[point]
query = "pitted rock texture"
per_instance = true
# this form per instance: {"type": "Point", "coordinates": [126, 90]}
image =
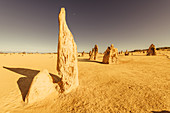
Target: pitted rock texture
{"type": "Point", "coordinates": [67, 55]}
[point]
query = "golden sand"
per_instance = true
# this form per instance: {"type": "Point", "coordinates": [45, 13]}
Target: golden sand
{"type": "Point", "coordinates": [138, 84]}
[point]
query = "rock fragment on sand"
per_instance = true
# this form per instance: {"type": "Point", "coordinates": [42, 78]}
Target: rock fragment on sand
{"type": "Point", "coordinates": [41, 87]}
{"type": "Point", "coordinates": [151, 50]}
{"type": "Point", "coordinates": [110, 55]}
{"type": "Point", "coordinates": [67, 56]}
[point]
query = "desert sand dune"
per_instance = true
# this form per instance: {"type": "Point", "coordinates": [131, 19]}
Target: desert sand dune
{"type": "Point", "coordinates": [138, 84]}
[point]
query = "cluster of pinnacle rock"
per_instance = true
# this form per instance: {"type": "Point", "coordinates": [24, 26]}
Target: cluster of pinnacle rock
{"type": "Point", "coordinates": [44, 84]}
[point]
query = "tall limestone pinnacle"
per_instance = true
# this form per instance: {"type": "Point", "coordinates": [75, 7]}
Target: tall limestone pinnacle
{"type": "Point", "coordinates": [67, 55]}
{"type": "Point", "coordinates": [43, 83]}
{"type": "Point", "coordinates": [110, 55]}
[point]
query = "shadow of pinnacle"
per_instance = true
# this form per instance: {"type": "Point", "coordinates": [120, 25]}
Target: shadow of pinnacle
{"type": "Point", "coordinates": [87, 60]}
{"type": "Point", "coordinates": [25, 82]}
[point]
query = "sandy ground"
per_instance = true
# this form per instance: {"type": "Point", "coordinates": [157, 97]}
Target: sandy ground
{"type": "Point", "coordinates": [138, 84]}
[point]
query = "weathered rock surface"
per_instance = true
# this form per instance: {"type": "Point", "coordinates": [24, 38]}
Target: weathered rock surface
{"type": "Point", "coordinates": [110, 55]}
{"type": "Point", "coordinates": [41, 86]}
{"type": "Point", "coordinates": [151, 50]}
{"type": "Point", "coordinates": [95, 52]}
{"type": "Point", "coordinates": [67, 55]}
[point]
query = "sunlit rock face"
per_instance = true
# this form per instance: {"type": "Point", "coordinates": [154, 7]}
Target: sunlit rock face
{"type": "Point", "coordinates": [41, 86]}
{"type": "Point", "coordinates": [110, 55]}
{"type": "Point", "coordinates": [151, 50]}
{"type": "Point", "coordinates": [67, 55]}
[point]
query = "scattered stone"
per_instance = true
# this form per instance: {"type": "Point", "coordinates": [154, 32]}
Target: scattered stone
{"type": "Point", "coordinates": [67, 56]}
{"type": "Point", "coordinates": [151, 50]}
{"type": "Point", "coordinates": [110, 55]}
{"type": "Point", "coordinates": [41, 86]}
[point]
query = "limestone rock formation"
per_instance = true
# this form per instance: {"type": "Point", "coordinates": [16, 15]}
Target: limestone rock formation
{"type": "Point", "coordinates": [107, 56]}
{"type": "Point", "coordinates": [121, 52]}
{"type": "Point", "coordinates": [67, 56]}
{"type": "Point", "coordinates": [95, 51]}
{"type": "Point", "coordinates": [151, 50]}
{"type": "Point", "coordinates": [90, 55]}
{"type": "Point", "coordinates": [126, 53]}
{"type": "Point", "coordinates": [41, 86]}
{"type": "Point", "coordinates": [110, 55]}
{"type": "Point", "coordinates": [83, 53]}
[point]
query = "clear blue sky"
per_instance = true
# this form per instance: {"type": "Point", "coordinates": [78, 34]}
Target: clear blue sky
{"type": "Point", "coordinates": [32, 25]}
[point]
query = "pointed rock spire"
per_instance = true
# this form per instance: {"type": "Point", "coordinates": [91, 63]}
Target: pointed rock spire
{"type": "Point", "coordinates": [151, 50]}
{"type": "Point", "coordinates": [67, 55]}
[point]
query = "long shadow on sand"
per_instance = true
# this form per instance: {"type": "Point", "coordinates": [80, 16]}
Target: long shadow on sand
{"type": "Point", "coordinates": [25, 82]}
{"type": "Point", "coordinates": [87, 60]}
{"type": "Point", "coordinates": [161, 111]}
